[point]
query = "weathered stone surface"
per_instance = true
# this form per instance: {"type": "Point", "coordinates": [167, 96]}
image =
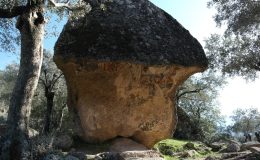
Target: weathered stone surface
{"type": "Point", "coordinates": [255, 149]}
{"type": "Point", "coordinates": [233, 147]}
{"type": "Point", "coordinates": [123, 99]}
{"type": "Point", "coordinates": [216, 146]}
{"type": "Point", "coordinates": [126, 144]}
{"type": "Point", "coordinates": [130, 30]}
{"type": "Point", "coordinates": [189, 154]}
{"type": "Point", "coordinates": [130, 155]}
{"type": "Point", "coordinates": [211, 158]}
{"type": "Point", "coordinates": [248, 145]}
{"type": "Point", "coordinates": [145, 155]}
{"type": "Point", "coordinates": [122, 67]}
{"type": "Point", "coordinates": [235, 154]}
{"type": "Point", "coordinates": [189, 145]}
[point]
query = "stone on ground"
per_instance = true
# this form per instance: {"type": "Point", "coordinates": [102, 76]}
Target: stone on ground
{"type": "Point", "coordinates": [255, 149]}
{"type": "Point", "coordinates": [248, 145]}
{"type": "Point", "coordinates": [233, 147]}
{"type": "Point", "coordinates": [189, 145]}
{"type": "Point", "coordinates": [216, 146]}
{"type": "Point", "coordinates": [235, 154]}
{"type": "Point", "coordinates": [189, 154]}
{"type": "Point", "coordinates": [126, 144]}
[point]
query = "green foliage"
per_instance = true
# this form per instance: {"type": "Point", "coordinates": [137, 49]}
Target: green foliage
{"type": "Point", "coordinates": [246, 120]}
{"type": "Point", "coordinates": [197, 98]}
{"type": "Point", "coordinates": [172, 144]}
{"type": "Point", "coordinates": [9, 35]}
{"type": "Point", "coordinates": [171, 148]}
{"type": "Point", "coordinates": [238, 51]}
{"type": "Point", "coordinates": [234, 55]}
{"type": "Point", "coordinates": [47, 77]}
{"type": "Point", "coordinates": [7, 81]}
{"type": "Point", "coordinates": [241, 16]}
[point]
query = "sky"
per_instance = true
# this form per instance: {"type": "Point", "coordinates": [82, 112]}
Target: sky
{"type": "Point", "coordinates": [197, 18]}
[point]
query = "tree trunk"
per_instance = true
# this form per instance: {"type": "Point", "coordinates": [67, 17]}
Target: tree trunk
{"type": "Point", "coordinates": [50, 97]}
{"type": "Point", "coordinates": [15, 145]}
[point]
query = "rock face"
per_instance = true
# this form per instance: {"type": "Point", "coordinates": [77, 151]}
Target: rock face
{"type": "Point", "coordinates": [122, 65]}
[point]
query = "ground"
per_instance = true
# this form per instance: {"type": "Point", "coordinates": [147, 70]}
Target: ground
{"type": "Point", "coordinates": [173, 149]}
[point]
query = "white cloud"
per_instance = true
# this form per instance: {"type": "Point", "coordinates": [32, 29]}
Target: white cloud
{"type": "Point", "coordinates": [239, 94]}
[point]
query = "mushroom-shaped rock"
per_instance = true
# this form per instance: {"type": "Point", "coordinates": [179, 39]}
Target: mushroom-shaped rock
{"type": "Point", "coordinates": [123, 63]}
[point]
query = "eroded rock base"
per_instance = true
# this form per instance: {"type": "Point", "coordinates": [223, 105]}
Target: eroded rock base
{"type": "Point", "coordinates": [121, 99]}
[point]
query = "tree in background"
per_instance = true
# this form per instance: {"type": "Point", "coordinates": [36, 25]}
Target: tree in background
{"type": "Point", "coordinates": [196, 101]}
{"type": "Point", "coordinates": [30, 21]}
{"type": "Point", "coordinates": [48, 79]}
{"type": "Point", "coordinates": [237, 52]}
{"type": "Point", "coordinates": [7, 81]}
{"type": "Point", "coordinates": [245, 120]}
{"type": "Point", "coordinates": [51, 81]}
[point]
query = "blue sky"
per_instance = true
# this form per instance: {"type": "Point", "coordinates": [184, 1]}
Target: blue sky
{"type": "Point", "coordinates": [193, 15]}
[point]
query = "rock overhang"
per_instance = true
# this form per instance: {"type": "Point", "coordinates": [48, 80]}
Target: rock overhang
{"type": "Point", "coordinates": [141, 33]}
{"type": "Point", "coordinates": [123, 66]}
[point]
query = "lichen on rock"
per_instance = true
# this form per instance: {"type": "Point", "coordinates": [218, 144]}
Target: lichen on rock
{"type": "Point", "coordinates": [122, 66]}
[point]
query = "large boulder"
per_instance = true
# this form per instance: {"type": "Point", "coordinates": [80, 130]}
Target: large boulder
{"type": "Point", "coordinates": [123, 64]}
{"type": "Point", "coordinates": [233, 147]}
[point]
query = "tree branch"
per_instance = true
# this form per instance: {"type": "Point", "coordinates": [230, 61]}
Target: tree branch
{"type": "Point", "coordinates": [67, 5]}
{"type": "Point", "coordinates": [43, 82]}
{"type": "Point", "coordinates": [12, 12]}
{"type": "Point", "coordinates": [60, 5]}
{"type": "Point", "coordinates": [188, 92]}
{"type": "Point", "coordinates": [257, 66]}
{"type": "Point", "coordinates": [55, 80]}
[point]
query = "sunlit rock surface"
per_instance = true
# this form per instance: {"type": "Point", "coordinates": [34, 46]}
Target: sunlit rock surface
{"type": "Point", "coordinates": [123, 64]}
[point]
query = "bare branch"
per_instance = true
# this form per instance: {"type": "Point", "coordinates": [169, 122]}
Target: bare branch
{"type": "Point", "coordinates": [66, 5]}
{"type": "Point", "coordinates": [43, 82]}
{"type": "Point", "coordinates": [12, 12]}
{"type": "Point", "coordinates": [55, 80]}
{"type": "Point", "coordinates": [60, 5]}
{"type": "Point", "coordinates": [188, 92]}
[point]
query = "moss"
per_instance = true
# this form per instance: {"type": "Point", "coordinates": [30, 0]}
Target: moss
{"type": "Point", "coordinates": [171, 147]}
{"type": "Point", "coordinates": [175, 145]}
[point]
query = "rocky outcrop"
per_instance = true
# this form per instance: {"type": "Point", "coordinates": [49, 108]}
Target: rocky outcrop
{"type": "Point", "coordinates": [123, 64]}
{"type": "Point", "coordinates": [248, 145]}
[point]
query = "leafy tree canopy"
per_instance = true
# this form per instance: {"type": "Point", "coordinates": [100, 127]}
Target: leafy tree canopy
{"type": "Point", "coordinates": [197, 98]}
{"type": "Point", "coordinates": [238, 51]}
{"type": "Point", "coordinates": [246, 120]}
{"type": "Point", "coordinates": [55, 12]}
